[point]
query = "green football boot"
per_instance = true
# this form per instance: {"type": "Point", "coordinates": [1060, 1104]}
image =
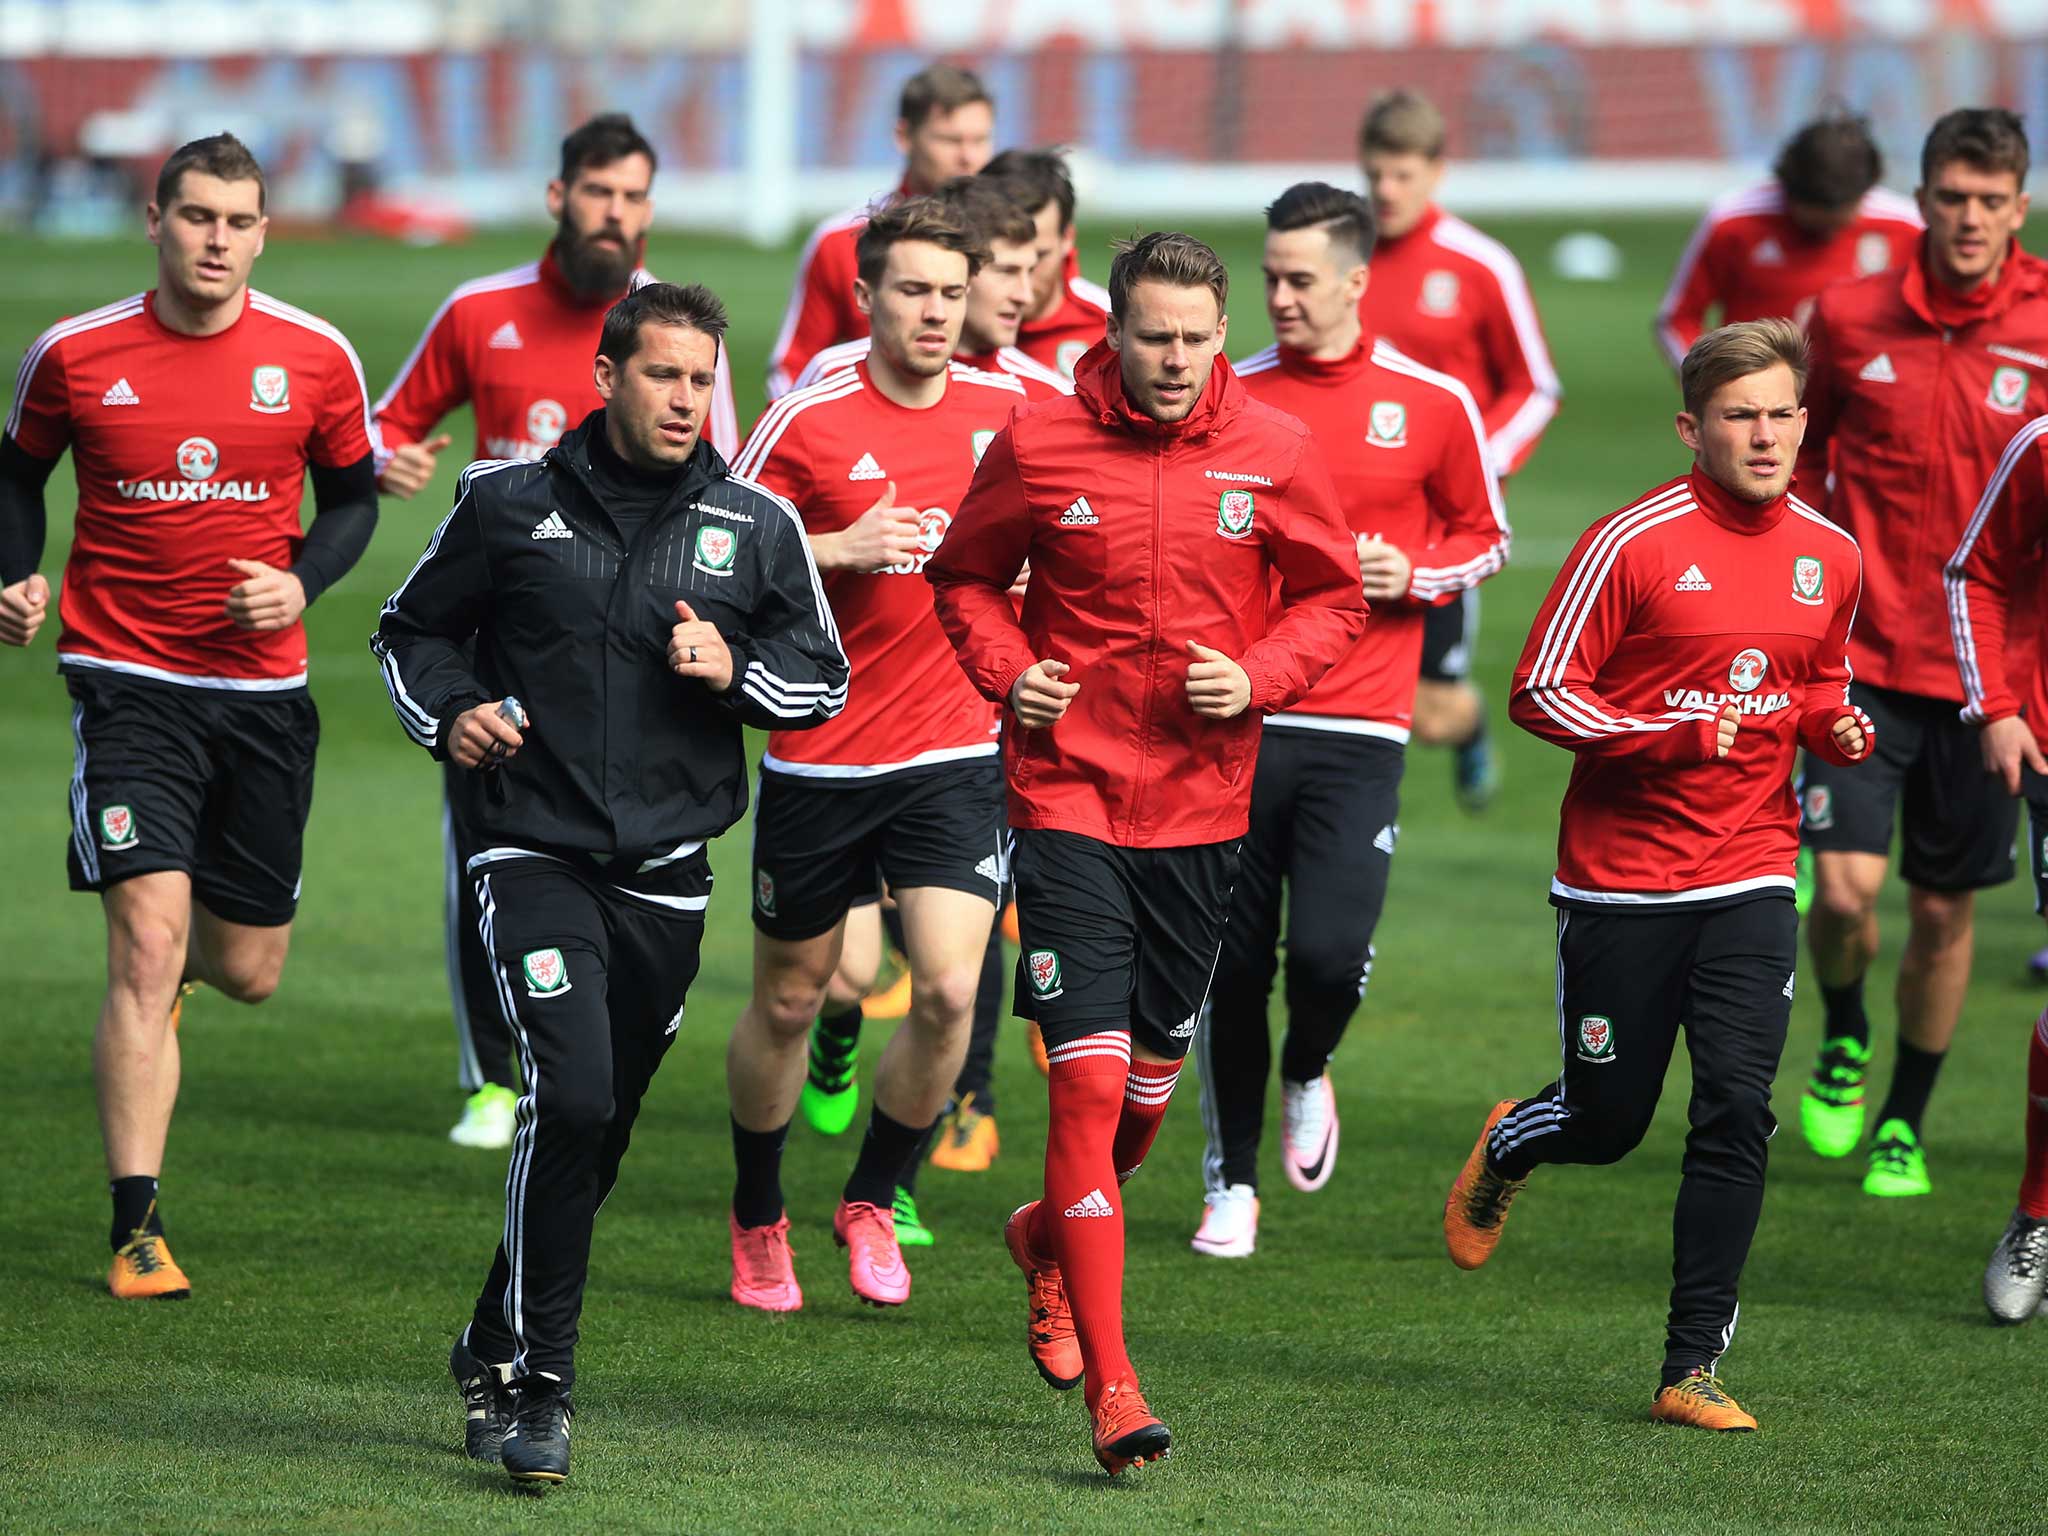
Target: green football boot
{"type": "Point", "coordinates": [911, 1232]}
{"type": "Point", "coordinates": [831, 1094]}
{"type": "Point", "coordinates": [1897, 1165]}
{"type": "Point", "coordinates": [1831, 1108]}
{"type": "Point", "coordinates": [1802, 882]}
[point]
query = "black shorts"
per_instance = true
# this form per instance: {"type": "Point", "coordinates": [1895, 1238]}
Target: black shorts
{"type": "Point", "coordinates": [1956, 821]}
{"type": "Point", "coordinates": [1118, 938]}
{"type": "Point", "coordinates": [1449, 631]}
{"type": "Point", "coordinates": [821, 845]}
{"type": "Point", "coordinates": [213, 783]}
{"type": "Point", "coordinates": [2034, 790]}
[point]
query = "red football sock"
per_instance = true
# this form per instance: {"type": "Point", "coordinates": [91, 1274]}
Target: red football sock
{"type": "Point", "coordinates": [1146, 1092]}
{"type": "Point", "coordinates": [2034, 1182]}
{"type": "Point", "coordinates": [1080, 1222]}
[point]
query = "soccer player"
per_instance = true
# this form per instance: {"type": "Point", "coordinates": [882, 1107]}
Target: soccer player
{"type": "Point", "coordinates": [1920, 377]}
{"type": "Point", "coordinates": [904, 786]}
{"type": "Point", "coordinates": [1156, 508]}
{"type": "Point", "coordinates": [1995, 570]}
{"type": "Point", "coordinates": [195, 413]}
{"type": "Point", "coordinates": [1420, 498]}
{"type": "Point", "coordinates": [585, 636]}
{"type": "Point", "coordinates": [1067, 311]}
{"type": "Point", "coordinates": [945, 125]}
{"type": "Point", "coordinates": [1768, 249]}
{"type": "Point", "coordinates": [1692, 643]}
{"type": "Point", "coordinates": [1455, 300]}
{"type": "Point", "coordinates": [516, 346]}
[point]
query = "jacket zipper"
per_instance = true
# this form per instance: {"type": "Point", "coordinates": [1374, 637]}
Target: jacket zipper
{"type": "Point", "coordinates": [1152, 648]}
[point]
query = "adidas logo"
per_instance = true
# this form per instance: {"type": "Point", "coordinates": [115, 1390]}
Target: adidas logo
{"type": "Point", "coordinates": [1385, 841]}
{"type": "Point", "coordinates": [867, 469]}
{"type": "Point", "coordinates": [1788, 983]}
{"type": "Point", "coordinates": [505, 338]}
{"type": "Point", "coordinates": [1769, 254]}
{"type": "Point", "coordinates": [1692, 581]}
{"type": "Point", "coordinates": [121, 394]}
{"type": "Point", "coordinates": [988, 869]}
{"type": "Point", "coordinates": [552, 527]}
{"type": "Point", "coordinates": [1091, 1204]}
{"type": "Point", "coordinates": [1879, 370]}
{"type": "Point", "coordinates": [1079, 515]}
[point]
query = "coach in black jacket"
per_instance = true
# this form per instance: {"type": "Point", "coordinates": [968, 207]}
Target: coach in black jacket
{"type": "Point", "coordinates": [641, 604]}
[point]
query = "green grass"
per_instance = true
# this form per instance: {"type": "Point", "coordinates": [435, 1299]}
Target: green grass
{"type": "Point", "coordinates": [1347, 1378]}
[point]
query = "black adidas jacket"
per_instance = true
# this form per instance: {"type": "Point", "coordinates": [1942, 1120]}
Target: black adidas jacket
{"type": "Point", "coordinates": [624, 760]}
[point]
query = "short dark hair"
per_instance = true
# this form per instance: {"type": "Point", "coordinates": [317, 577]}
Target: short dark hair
{"type": "Point", "coordinates": [605, 140]}
{"type": "Point", "coordinates": [1040, 176]}
{"type": "Point", "coordinates": [928, 219]}
{"type": "Point", "coordinates": [222, 155]}
{"type": "Point", "coordinates": [1165, 256]}
{"type": "Point", "coordinates": [939, 88]}
{"type": "Point", "coordinates": [659, 304]}
{"type": "Point", "coordinates": [1988, 138]}
{"type": "Point", "coordinates": [1346, 216]}
{"type": "Point", "coordinates": [989, 208]}
{"type": "Point", "coordinates": [1830, 162]}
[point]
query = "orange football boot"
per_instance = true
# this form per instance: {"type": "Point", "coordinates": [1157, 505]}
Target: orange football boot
{"type": "Point", "coordinates": [1701, 1402]}
{"type": "Point", "coordinates": [143, 1269]}
{"type": "Point", "coordinates": [1477, 1206]}
{"type": "Point", "coordinates": [1049, 1321]}
{"type": "Point", "coordinates": [1010, 929]}
{"type": "Point", "coordinates": [1126, 1432]}
{"type": "Point", "coordinates": [967, 1140]}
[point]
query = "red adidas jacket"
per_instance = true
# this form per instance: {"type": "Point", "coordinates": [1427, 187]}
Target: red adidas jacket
{"type": "Point", "coordinates": [1996, 569]}
{"type": "Point", "coordinates": [1913, 395]}
{"type": "Point", "coordinates": [1142, 537]}
{"type": "Point", "coordinates": [1665, 613]}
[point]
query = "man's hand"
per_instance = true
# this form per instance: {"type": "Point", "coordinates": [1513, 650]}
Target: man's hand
{"type": "Point", "coordinates": [1724, 730]}
{"type": "Point", "coordinates": [411, 467]}
{"type": "Point", "coordinates": [1217, 686]}
{"type": "Point", "coordinates": [269, 599]}
{"type": "Point", "coordinates": [482, 735]}
{"type": "Point", "coordinates": [880, 537]}
{"type": "Point", "coordinates": [696, 649]}
{"type": "Point", "coordinates": [22, 607]}
{"type": "Point", "coordinates": [1384, 570]}
{"type": "Point", "coordinates": [2006, 744]}
{"type": "Point", "coordinates": [1038, 698]}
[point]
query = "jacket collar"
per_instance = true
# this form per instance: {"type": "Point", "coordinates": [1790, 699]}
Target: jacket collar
{"type": "Point", "coordinates": [1329, 370]}
{"type": "Point", "coordinates": [1099, 385]}
{"type": "Point", "coordinates": [704, 467]}
{"type": "Point", "coordinates": [2022, 277]}
{"type": "Point", "coordinates": [1731, 511]}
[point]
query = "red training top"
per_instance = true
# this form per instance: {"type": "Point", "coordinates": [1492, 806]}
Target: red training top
{"type": "Point", "coordinates": [1998, 568]}
{"type": "Point", "coordinates": [190, 451]}
{"type": "Point", "coordinates": [1062, 337]}
{"type": "Point", "coordinates": [832, 450]}
{"type": "Point", "coordinates": [821, 310]}
{"type": "Point", "coordinates": [1408, 454]}
{"type": "Point", "coordinates": [1665, 613]}
{"type": "Point", "coordinates": [1142, 537]}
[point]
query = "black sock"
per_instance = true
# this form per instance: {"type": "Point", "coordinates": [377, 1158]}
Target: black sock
{"type": "Point", "coordinates": [1845, 1013]}
{"type": "Point", "coordinates": [1912, 1085]}
{"type": "Point", "coordinates": [885, 1152]}
{"type": "Point", "coordinates": [839, 1033]}
{"type": "Point", "coordinates": [134, 1206]}
{"type": "Point", "coordinates": [757, 1192]}
{"type": "Point", "coordinates": [907, 1179]}
{"type": "Point", "coordinates": [1478, 733]}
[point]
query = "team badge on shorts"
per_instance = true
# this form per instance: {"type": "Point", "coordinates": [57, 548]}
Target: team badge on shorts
{"type": "Point", "coordinates": [715, 550]}
{"type": "Point", "coordinates": [117, 828]}
{"type": "Point", "coordinates": [1808, 577]}
{"type": "Point", "coordinates": [764, 892]}
{"type": "Point", "coordinates": [270, 390]}
{"type": "Point", "coordinates": [1596, 1038]}
{"type": "Point", "coordinates": [1043, 966]}
{"type": "Point", "coordinates": [1387, 425]}
{"type": "Point", "coordinates": [2008, 392]}
{"type": "Point", "coordinates": [1820, 808]}
{"type": "Point", "coordinates": [1234, 514]}
{"type": "Point", "coordinates": [547, 973]}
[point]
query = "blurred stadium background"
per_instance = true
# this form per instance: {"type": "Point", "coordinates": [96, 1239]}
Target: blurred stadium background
{"type": "Point", "coordinates": [1347, 1378]}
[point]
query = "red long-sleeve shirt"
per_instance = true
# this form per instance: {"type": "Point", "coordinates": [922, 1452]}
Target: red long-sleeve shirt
{"type": "Point", "coordinates": [1406, 449]}
{"type": "Point", "coordinates": [1142, 537]}
{"type": "Point", "coordinates": [1665, 613]}
{"type": "Point", "coordinates": [1996, 568]}
{"type": "Point", "coordinates": [1455, 300]}
{"type": "Point", "coordinates": [1913, 394]}
{"type": "Point", "coordinates": [1061, 338]}
{"type": "Point", "coordinates": [1748, 260]}
{"type": "Point", "coordinates": [821, 311]}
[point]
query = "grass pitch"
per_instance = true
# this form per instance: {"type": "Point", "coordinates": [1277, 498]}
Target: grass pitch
{"type": "Point", "coordinates": [1346, 1378]}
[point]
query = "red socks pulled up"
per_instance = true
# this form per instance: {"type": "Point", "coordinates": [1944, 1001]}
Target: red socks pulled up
{"type": "Point", "coordinates": [1146, 1092]}
{"type": "Point", "coordinates": [1080, 1222]}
